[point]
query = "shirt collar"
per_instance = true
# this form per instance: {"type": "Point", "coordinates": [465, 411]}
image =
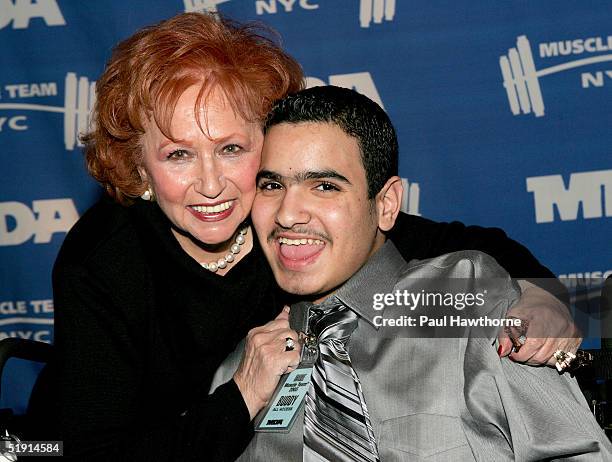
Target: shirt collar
{"type": "Point", "coordinates": [378, 275]}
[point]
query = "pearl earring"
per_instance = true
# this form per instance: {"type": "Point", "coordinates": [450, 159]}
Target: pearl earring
{"type": "Point", "coordinates": [148, 195]}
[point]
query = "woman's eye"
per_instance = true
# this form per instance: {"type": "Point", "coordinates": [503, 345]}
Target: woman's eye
{"type": "Point", "coordinates": [232, 149]}
{"type": "Point", "coordinates": [178, 154]}
{"type": "Point", "coordinates": [327, 187]}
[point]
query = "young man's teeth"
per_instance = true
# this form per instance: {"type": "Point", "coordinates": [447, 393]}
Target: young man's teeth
{"type": "Point", "coordinates": [213, 208]}
{"type": "Point", "coordinates": [284, 240]}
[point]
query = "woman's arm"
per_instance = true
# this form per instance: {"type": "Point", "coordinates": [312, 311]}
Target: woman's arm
{"type": "Point", "coordinates": [420, 238]}
{"type": "Point", "coordinates": [105, 409]}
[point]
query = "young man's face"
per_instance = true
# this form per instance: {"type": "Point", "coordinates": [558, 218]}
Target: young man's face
{"type": "Point", "coordinates": [311, 210]}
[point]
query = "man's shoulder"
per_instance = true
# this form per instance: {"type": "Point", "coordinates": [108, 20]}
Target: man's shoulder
{"type": "Point", "coordinates": [462, 263]}
{"type": "Point", "coordinates": [466, 271]}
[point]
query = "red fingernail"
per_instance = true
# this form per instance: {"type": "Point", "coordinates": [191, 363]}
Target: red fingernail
{"type": "Point", "coordinates": [499, 350]}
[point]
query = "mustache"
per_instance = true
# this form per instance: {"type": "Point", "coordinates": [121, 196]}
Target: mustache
{"type": "Point", "coordinates": [277, 231]}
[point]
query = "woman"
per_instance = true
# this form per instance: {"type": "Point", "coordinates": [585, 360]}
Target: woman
{"type": "Point", "coordinates": [155, 286]}
{"type": "Point", "coordinates": [152, 294]}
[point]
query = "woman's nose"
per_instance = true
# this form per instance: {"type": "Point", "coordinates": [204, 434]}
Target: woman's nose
{"type": "Point", "coordinates": [210, 181]}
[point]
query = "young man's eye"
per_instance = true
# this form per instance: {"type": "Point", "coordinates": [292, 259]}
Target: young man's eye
{"type": "Point", "coordinates": [269, 185]}
{"type": "Point", "coordinates": [325, 186]}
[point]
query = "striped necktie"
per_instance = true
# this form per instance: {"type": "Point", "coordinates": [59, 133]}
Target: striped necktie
{"type": "Point", "coordinates": [337, 425]}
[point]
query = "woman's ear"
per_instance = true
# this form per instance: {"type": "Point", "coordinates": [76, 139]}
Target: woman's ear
{"type": "Point", "coordinates": [389, 202]}
{"type": "Point", "coordinates": [148, 194]}
{"type": "Point", "coordinates": [143, 174]}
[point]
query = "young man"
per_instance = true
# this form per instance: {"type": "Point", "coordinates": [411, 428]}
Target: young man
{"type": "Point", "coordinates": [327, 196]}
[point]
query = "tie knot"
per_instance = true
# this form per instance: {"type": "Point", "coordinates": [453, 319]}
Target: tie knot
{"type": "Point", "coordinates": [335, 322]}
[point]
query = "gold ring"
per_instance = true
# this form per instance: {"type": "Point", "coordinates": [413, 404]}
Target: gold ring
{"type": "Point", "coordinates": [564, 359]}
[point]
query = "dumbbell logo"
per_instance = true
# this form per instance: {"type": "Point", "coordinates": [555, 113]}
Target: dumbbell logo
{"type": "Point", "coordinates": [410, 197]}
{"type": "Point", "coordinates": [79, 99]}
{"type": "Point", "coordinates": [375, 10]}
{"type": "Point", "coordinates": [521, 79]}
{"type": "Point", "coordinates": [202, 6]}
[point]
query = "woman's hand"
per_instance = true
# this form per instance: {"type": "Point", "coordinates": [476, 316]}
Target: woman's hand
{"type": "Point", "coordinates": [551, 328]}
{"type": "Point", "coordinates": [265, 360]}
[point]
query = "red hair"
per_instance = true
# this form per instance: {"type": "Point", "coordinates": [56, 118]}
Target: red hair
{"type": "Point", "coordinates": [149, 71]}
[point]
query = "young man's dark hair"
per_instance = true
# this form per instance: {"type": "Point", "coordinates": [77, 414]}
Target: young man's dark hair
{"type": "Point", "coordinates": [357, 115]}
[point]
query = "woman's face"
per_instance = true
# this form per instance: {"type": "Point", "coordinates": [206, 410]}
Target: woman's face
{"type": "Point", "coordinates": [204, 182]}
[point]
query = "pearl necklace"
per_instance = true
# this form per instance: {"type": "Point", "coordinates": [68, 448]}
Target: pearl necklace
{"type": "Point", "coordinates": [234, 249]}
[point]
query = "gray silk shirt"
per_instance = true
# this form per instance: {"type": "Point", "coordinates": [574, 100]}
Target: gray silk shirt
{"type": "Point", "coordinates": [447, 399]}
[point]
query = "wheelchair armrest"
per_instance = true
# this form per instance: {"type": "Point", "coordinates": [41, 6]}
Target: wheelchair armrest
{"type": "Point", "coordinates": [24, 349]}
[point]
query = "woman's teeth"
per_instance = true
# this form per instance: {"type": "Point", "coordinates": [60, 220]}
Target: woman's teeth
{"type": "Point", "coordinates": [212, 209]}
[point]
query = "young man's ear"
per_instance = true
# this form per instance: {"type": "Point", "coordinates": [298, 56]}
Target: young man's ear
{"type": "Point", "coordinates": [388, 202]}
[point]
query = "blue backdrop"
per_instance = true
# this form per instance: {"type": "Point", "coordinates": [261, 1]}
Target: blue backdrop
{"type": "Point", "coordinates": [502, 110]}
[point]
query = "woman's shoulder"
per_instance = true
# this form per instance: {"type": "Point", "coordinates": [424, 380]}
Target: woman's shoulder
{"type": "Point", "coordinates": [101, 265]}
{"type": "Point", "coordinates": [105, 230]}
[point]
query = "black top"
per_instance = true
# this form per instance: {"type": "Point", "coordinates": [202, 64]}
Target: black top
{"type": "Point", "coordinates": [141, 327]}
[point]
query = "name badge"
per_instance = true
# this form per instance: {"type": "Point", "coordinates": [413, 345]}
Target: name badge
{"type": "Point", "coordinates": [286, 404]}
{"type": "Point", "coordinates": [288, 399]}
